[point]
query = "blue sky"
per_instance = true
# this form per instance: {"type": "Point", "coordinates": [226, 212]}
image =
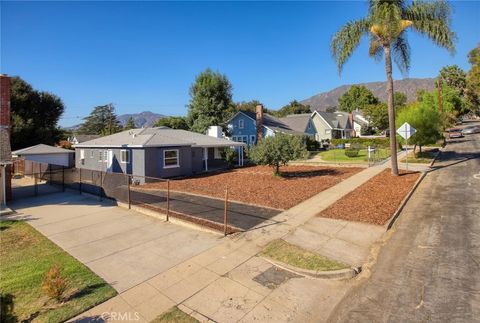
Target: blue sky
{"type": "Point", "coordinates": [145, 55]}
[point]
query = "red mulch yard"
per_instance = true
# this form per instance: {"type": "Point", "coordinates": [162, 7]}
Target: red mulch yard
{"type": "Point", "coordinates": [375, 201]}
{"type": "Point", "coordinates": [257, 185]}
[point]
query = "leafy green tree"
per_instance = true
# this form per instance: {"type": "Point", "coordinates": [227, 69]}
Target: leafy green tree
{"type": "Point", "coordinates": [377, 115]}
{"type": "Point", "coordinates": [211, 99]}
{"type": "Point", "coordinates": [278, 150]}
{"type": "Point", "coordinates": [245, 106]}
{"type": "Point", "coordinates": [452, 104]}
{"type": "Point", "coordinates": [425, 118]}
{"type": "Point", "coordinates": [386, 25]}
{"type": "Point", "coordinates": [357, 97]}
{"type": "Point", "coordinates": [229, 155]}
{"type": "Point", "coordinates": [472, 91]}
{"type": "Point", "coordinates": [400, 99]}
{"type": "Point", "coordinates": [101, 121]}
{"type": "Point", "coordinates": [34, 115]}
{"type": "Point", "coordinates": [294, 107]}
{"type": "Point", "coordinates": [172, 122]}
{"type": "Point", "coordinates": [130, 124]}
{"type": "Point", "coordinates": [454, 77]}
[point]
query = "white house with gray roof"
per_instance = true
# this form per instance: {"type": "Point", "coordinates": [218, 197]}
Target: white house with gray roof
{"type": "Point", "coordinates": [46, 154]}
{"type": "Point", "coordinates": [156, 152]}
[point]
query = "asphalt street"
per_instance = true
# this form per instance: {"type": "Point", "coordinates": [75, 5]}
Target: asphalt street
{"type": "Point", "coordinates": [429, 270]}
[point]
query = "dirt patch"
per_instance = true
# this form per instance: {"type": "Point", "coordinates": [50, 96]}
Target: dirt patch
{"type": "Point", "coordinates": [375, 201]}
{"type": "Point", "coordinates": [257, 185]}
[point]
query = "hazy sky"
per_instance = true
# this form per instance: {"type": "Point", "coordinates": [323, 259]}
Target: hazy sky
{"type": "Point", "coordinates": [145, 55]}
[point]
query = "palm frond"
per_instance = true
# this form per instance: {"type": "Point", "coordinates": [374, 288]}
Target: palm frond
{"type": "Point", "coordinates": [401, 53]}
{"type": "Point", "coordinates": [432, 19]}
{"type": "Point", "coordinates": [376, 49]}
{"type": "Point", "coordinates": [347, 39]}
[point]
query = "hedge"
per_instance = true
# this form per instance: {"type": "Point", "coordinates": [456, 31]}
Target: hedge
{"type": "Point", "coordinates": [377, 142]}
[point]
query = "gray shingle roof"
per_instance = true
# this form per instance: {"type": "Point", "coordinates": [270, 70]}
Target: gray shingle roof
{"type": "Point", "coordinates": [83, 138]}
{"type": "Point", "coordinates": [336, 120]}
{"type": "Point", "coordinates": [158, 137]}
{"type": "Point", "coordinates": [41, 149]}
{"type": "Point", "coordinates": [297, 122]}
{"type": "Point", "coordinates": [274, 123]}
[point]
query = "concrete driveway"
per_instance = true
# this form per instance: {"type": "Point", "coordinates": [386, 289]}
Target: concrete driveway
{"type": "Point", "coordinates": [123, 247]}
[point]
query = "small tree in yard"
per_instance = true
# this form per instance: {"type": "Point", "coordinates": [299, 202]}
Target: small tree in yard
{"type": "Point", "coordinates": [278, 150]}
{"type": "Point", "coordinates": [229, 154]}
{"type": "Point", "coordinates": [54, 285]}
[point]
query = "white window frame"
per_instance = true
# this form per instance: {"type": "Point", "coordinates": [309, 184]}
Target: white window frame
{"type": "Point", "coordinates": [127, 154]}
{"type": "Point", "coordinates": [100, 156]}
{"type": "Point", "coordinates": [216, 153]}
{"type": "Point", "coordinates": [91, 153]}
{"type": "Point", "coordinates": [105, 155]}
{"type": "Point", "coordinates": [178, 158]}
{"type": "Point", "coordinates": [328, 131]}
{"type": "Point", "coordinates": [82, 154]}
{"type": "Point", "coordinates": [241, 124]}
{"type": "Point", "coordinates": [252, 139]}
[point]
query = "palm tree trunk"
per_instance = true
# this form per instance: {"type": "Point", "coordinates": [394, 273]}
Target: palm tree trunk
{"type": "Point", "coordinates": [391, 111]}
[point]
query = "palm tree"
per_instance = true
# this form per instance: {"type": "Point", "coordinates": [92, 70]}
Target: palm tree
{"type": "Point", "coordinates": [386, 25]}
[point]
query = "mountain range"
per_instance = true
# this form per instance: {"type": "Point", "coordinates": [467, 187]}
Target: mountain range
{"type": "Point", "coordinates": [409, 86]}
{"type": "Point", "coordinates": [142, 119]}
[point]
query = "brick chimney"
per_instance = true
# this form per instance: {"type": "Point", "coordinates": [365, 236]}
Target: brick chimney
{"type": "Point", "coordinates": [5, 151]}
{"type": "Point", "coordinates": [259, 121]}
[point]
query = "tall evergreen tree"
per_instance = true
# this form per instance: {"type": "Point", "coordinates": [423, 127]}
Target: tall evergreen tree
{"type": "Point", "coordinates": [211, 99]}
{"type": "Point", "coordinates": [101, 121]}
{"type": "Point", "coordinates": [130, 124]}
{"type": "Point", "coordinates": [386, 24]}
{"type": "Point", "coordinates": [34, 115]}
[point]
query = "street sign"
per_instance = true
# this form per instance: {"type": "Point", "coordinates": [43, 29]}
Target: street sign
{"type": "Point", "coordinates": [406, 131]}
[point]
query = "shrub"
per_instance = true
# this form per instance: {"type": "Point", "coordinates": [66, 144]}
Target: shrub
{"type": "Point", "coordinates": [278, 150]}
{"type": "Point", "coordinates": [377, 142]}
{"type": "Point", "coordinates": [54, 285]}
{"type": "Point", "coordinates": [312, 144]}
{"type": "Point", "coordinates": [351, 152]}
{"type": "Point", "coordinates": [229, 154]}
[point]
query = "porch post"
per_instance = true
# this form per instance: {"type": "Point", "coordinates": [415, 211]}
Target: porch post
{"type": "Point", "coordinates": [205, 157]}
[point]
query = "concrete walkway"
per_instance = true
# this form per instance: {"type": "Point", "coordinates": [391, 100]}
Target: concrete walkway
{"type": "Point", "coordinates": [224, 281]}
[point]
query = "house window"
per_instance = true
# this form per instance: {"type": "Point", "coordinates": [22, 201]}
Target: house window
{"type": "Point", "coordinates": [91, 153]}
{"type": "Point", "coordinates": [252, 139]}
{"type": "Point", "coordinates": [170, 158]}
{"type": "Point", "coordinates": [105, 155]}
{"type": "Point", "coordinates": [309, 126]}
{"type": "Point", "coordinates": [217, 153]}
{"type": "Point", "coordinates": [124, 156]}
{"type": "Point", "coordinates": [240, 123]}
{"type": "Point", "coordinates": [328, 131]}
{"type": "Point", "coordinates": [100, 155]}
{"type": "Point", "coordinates": [82, 153]}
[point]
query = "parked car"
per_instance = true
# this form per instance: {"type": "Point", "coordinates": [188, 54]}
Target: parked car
{"type": "Point", "coordinates": [455, 133]}
{"type": "Point", "coordinates": [471, 130]}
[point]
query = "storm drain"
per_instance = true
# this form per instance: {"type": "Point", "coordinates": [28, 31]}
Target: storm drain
{"type": "Point", "coordinates": [274, 277]}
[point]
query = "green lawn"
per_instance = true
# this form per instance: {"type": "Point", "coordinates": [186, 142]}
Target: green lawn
{"type": "Point", "coordinates": [25, 257]}
{"type": "Point", "coordinates": [298, 257]}
{"type": "Point", "coordinates": [338, 155]}
{"type": "Point", "coordinates": [425, 157]}
{"type": "Point", "coordinates": [174, 315]}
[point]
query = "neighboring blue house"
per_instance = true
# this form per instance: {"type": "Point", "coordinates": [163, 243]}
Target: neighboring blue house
{"type": "Point", "coordinates": [243, 126]}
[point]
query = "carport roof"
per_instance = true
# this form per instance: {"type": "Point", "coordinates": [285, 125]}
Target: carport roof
{"type": "Point", "coordinates": [41, 149]}
{"type": "Point", "coordinates": [158, 137]}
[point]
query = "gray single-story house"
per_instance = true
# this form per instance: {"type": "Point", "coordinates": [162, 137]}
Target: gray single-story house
{"type": "Point", "coordinates": [154, 152]}
{"type": "Point", "coordinates": [46, 154]}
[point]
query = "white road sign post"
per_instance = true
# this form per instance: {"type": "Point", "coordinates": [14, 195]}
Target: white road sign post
{"type": "Point", "coordinates": [406, 131]}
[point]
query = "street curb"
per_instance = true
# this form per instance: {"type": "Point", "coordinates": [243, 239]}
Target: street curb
{"type": "Point", "coordinates": [332, 274]}
{"type": "Point", "coordinates": [436, 156]}
{"type": "Point", "coordinates": [404, 202]}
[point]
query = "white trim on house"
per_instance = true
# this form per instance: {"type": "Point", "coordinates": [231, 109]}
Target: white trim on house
{"type": "Point", "coordinates": [328, 124]}
{"type": "Point", "coordinates": [250, 119]}
{"type": "Point", "coordinates": [127, 154]}
{"type": "Point", "coordinates": [82, 154]}
{"type": "Point", "coordinates": [177, 157]}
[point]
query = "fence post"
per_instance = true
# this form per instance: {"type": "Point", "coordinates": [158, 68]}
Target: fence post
{"type": "Point", "coordinates": [128, 188]}
{"type": "Point", "coordinates": [168, 198]}
{"type": "Point", "coordinates": [35, 187]}
{"type": "Point", "coordinates": [80, 180]}
{"type": "Point", "coordinates": [101, 185]}
{"type": "Point", "coordinates": [225, 212]}
{"type": "Point", "coordinates": [63, 178]}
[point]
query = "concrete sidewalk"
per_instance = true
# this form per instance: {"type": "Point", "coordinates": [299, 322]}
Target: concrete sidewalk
{"type": "Point", "coordinates": [223, 283]}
